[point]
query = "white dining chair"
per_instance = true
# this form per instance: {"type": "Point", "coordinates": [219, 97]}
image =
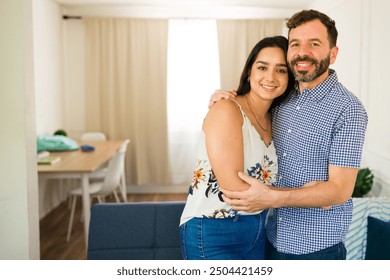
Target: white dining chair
{"type": "Point", "coordinates": [100, 189]}
{"type": "Point", "coordinates": [123, 187]}
{"type": "Point", "coordinates": [100, 174]}
{"type": "Point", "coordinates": [94, 136]}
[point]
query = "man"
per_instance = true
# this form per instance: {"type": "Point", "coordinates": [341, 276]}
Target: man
{"type": "Point", "coordinates": [318, 133]}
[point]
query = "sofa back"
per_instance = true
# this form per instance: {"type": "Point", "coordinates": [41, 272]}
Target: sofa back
{"type": "Point", "coordinates": [135, 231]}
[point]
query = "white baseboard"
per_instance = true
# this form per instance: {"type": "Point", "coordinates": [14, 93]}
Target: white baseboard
{"type": "Point", "coordinates": [156, 189]}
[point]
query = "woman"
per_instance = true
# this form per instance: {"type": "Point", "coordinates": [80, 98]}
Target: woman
{"type": "Point", "coordinates": [236, 137]}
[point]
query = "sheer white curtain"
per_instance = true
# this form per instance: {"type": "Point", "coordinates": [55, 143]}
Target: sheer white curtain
{"type": "Point", "coordinates": [236, 38]}
{"type": "Point", "coordinates": [126, 82]}
{"type": "Point", "coordinates": [193, 75]}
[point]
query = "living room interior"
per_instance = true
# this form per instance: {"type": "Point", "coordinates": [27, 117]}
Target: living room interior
{"type": "Point", "coordinates": [44, 88]}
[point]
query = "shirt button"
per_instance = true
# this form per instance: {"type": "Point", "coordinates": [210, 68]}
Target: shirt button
{"type": "Point", "coordinates": [298, 107]}
{"type": "Point", "coordinates": [289, 130]}
{"type": "Point", "coordinates": [280, 219]}
{"type": "Point", "coordinates": [284, 154]}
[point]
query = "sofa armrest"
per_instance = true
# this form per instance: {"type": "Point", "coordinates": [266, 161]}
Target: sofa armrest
{"type": "Point", "coordinates": [356, 240]}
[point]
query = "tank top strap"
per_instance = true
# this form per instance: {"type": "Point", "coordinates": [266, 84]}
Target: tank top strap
{"type": "Point", "coordinates": [239, 106]}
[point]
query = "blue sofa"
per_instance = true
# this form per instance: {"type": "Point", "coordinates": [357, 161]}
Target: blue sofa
{"type": "Point", "coordinates": [150, 230]}
{"type": "Point", "coordinates": [135, 231]}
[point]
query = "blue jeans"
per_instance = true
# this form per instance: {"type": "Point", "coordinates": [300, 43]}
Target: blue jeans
{"type": "Point", "coordinates": [335, 252]}
{"type": "Point", "coordinates": [238, 238]}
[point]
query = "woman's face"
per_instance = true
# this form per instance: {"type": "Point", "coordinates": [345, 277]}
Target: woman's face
{"type": "Point", "coordinates": [269, 73]}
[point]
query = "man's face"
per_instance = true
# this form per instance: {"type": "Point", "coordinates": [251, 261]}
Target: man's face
{"type": "Point", "coordinates": [309, 54]}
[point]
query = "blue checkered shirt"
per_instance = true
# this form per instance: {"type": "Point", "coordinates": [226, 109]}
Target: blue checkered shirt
{"type": "Point", "coordinates": [320, 127]}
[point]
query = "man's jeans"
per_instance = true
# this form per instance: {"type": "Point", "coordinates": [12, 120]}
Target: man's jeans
{"type": "Point", "coordinates": [335, 252]}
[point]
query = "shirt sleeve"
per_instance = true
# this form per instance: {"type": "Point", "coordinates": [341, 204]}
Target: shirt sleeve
{"type": "Point", "coordinates": [347, 143]}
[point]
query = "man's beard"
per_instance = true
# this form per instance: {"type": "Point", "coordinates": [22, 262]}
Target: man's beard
{"type": "Point", "coordinates": [303, 76]}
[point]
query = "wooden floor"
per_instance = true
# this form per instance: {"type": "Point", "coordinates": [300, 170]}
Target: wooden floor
{"type": "Point", "coordinates": [53, 229]}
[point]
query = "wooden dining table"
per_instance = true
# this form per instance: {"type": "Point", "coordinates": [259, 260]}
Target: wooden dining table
{"type": "Point", "coordinates": [78, 164]}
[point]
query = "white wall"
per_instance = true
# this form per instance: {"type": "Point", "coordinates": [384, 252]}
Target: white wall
{"type": "Point", "coordinates": [48, 46]}
{"type": "Point", "coordinates": [49, 88]}
{"type": "Point", "coordinates": [378, 95]}
{"type": "Point", "coordinates": [362, 66]}
{"type": "Point", "coordinates": [19, 223]}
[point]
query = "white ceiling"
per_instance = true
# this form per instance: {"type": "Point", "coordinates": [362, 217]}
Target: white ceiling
{"type": "Point", "coordinates": [230, 9]}
{"type": "Point", "coordinates": [285, 4]}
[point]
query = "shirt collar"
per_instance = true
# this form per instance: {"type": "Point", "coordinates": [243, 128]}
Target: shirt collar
{"type": "Point", "coordinates": [321, 90]}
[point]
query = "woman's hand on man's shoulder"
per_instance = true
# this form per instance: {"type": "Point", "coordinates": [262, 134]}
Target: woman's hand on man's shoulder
{"type": "Point", "coordinates": [220, 94]}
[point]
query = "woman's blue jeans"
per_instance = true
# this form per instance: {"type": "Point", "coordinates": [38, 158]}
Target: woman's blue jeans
{"type": "Point", "coordinates": [238, 238]}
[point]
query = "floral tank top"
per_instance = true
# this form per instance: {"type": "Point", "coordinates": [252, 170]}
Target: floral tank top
{"type": "Point", "coordinates": [204, 196]}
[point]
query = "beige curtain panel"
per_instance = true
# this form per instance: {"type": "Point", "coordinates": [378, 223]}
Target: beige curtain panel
{"type": "Point", "coordinates": [236, 38]}
{"type": "Point", "coordinates": [126, 81]}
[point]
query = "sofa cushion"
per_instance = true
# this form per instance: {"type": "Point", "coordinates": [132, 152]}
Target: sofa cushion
{"type": "Point", "coordinates": [378, 239]}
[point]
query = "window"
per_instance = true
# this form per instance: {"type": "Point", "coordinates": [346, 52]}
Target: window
{"type": "Point", "coordinates": [193, 75]}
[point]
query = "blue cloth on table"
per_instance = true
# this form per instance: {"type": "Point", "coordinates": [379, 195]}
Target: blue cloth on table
{"type": "Point", "coordinates": [55, 143]}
